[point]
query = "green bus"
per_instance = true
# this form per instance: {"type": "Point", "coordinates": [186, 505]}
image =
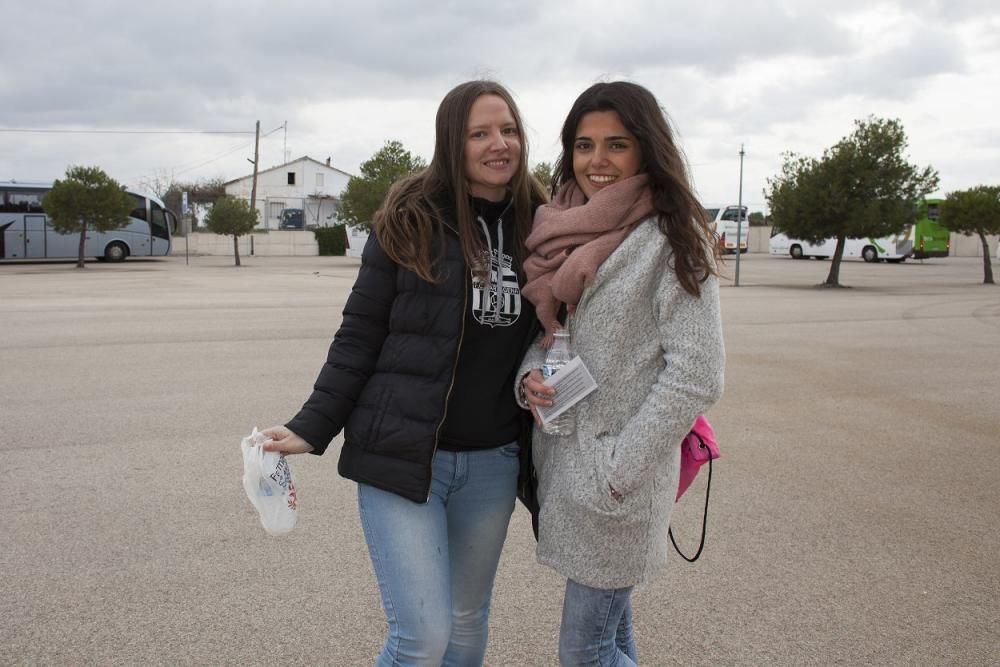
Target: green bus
{"type": "Point", "coordinates": [930, 239]}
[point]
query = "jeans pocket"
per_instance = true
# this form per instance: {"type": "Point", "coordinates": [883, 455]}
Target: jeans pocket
{"type": "Point", "coordinates": [510, 450]}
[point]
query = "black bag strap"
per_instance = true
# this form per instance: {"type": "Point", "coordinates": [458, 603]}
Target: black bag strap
{"type": "Point", "coordinates": [704, 520]}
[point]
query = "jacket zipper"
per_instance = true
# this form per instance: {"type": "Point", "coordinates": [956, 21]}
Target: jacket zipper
{"type": "Point", "coordinates": [454, 366]}
{"type": "Point", "coordinates": [451, 385]}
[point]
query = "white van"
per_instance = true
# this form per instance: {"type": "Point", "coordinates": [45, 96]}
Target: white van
{"type": "Point", "coordinates": [724, 221]}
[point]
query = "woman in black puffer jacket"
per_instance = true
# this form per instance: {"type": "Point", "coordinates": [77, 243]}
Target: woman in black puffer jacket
{"type": "Point", "coordinates": [418, 377]}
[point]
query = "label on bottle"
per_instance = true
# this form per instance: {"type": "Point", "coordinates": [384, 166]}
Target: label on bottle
{"type": "Point", "coordinates": [572, 383]}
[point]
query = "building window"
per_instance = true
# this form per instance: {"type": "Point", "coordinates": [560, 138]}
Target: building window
{"type": "Point", "coordinates": [291, 178]}
{"type": "Point", "coordinates": [319, 180]}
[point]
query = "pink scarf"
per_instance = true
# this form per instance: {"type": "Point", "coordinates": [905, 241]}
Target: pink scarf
{"type": "Point", "coordinates": [572, 237]}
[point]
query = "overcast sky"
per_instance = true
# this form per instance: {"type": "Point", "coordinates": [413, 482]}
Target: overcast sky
{"type": "Point", "coordinates": [347, 76]}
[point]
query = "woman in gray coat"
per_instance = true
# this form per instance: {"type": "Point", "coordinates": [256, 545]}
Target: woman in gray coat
{"type": "Point", "coordinates": [625, 250]}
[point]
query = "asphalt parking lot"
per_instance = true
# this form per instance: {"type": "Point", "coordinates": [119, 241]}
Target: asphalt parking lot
{"type": "Point", "coordinates": [855, 514]}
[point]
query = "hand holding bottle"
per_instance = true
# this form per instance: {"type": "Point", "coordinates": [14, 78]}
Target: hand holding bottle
{"type": "Point", "coordinates": [536, 392]}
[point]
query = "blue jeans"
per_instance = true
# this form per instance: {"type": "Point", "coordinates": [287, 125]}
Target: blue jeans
{"type": "Point", "coordinates": [596, 627]}
{"type": "Point", "coordinates": [436, 562]}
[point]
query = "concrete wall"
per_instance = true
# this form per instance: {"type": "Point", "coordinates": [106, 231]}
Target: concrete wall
{"type": "Point", "coordinates": [303, 244]}
{"type": "Point", "coordinates": [356, 240]}
{"type": "Point", "coordinates": [759, 239]}
{"type": "Point", "coordinates": [274, 243]}
{"type": "Point", "coordinates": [971, 246]}
{"type": "Point", "coordinates": [961, 246]}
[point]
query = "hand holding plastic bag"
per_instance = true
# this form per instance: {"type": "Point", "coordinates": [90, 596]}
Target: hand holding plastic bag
{"type": "Point", "coordinates": [267, 479]}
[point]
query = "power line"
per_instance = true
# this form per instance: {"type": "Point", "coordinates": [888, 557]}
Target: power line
{"type": "Point", "coordinates": [186, 168]}
{"type": "Point", "coordinates": [183, 169]}
{"type": "Point", "coordinates": [48, 130]}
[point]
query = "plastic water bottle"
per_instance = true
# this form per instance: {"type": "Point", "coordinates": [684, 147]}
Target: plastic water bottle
{"type": "Point", "coordinates": [558, 356]}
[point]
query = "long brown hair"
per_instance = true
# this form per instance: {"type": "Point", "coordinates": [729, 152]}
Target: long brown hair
{"type": "Point", "coordinates": [681, 217]}
{"type": "Point", "coordinates": [408, 225]}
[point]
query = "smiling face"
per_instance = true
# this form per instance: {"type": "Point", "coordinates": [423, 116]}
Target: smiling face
{"type": "Point", "coordinates": [604, 152]}
{"type": "Point", "coordinates": [492, 147]}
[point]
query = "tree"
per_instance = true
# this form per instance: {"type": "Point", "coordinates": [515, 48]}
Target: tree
{"type": "Point", "coordinates": [975, 211]}
{"type": "Point", "coordinates": [231, 216]}
{"type": "Point", "coordinates": [543, 172]}
{"type": "Point", "coordinates": [87, 199]}
{"type": "Point", "coordinates": [862, 187]}
{"type": "Point", "coordinates": [200, 192]}
{"type": "Point", "coordinates": [159, 183]}
{"type": "Point", "coordinates": [757, 219]}
{"type": "Point", "coordinates": [364, 194]}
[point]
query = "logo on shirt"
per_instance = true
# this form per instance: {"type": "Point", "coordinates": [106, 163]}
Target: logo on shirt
{"type": "Point", "coordinates": [497, 303]}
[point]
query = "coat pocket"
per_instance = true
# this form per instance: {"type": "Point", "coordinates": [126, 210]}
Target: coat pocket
{"type": "Point", "coordinates": [583, 466]}
{"type": "Point", "coordinates": [621, 502]}
{"type": "Point", "coordinates": [604, 501]}
{"type": "Point", "coordinates": [366, 419]}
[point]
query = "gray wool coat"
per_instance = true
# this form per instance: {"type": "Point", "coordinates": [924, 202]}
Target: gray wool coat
{"type": "Point", "coordinates": [657, 355]}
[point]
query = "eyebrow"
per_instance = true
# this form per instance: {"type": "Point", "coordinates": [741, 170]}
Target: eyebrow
{"type": "Point", "coordinates": [485, 125]}
{"type": "Point", "coordinates": [613, 138]}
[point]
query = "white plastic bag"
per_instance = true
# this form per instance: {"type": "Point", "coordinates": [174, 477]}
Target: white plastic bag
{"type": "Point", "coordinates": [267, 479]}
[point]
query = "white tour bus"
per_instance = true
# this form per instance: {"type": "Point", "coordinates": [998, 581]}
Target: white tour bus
{"type": "Point", "coordinates": [25, 232]}
{"type": "Point", "coordinates": [894, 248]}
{"type": "Point", "coordinates": [724, 221]}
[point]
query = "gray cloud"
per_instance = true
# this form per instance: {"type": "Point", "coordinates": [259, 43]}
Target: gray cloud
{"type": "Point", "coordinates": [710, 38]}
{"type": "Point", "coordinates": [725, 71]}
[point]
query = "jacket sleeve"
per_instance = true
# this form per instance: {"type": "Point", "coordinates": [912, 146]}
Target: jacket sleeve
{"type": "Point", "coordinates": [353, 353]}
{"type": "Point", "coordinates": [691, 381]}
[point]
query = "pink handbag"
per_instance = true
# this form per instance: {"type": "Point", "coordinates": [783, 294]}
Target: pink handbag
{"type": "Point", "coordinates": [697, 449]}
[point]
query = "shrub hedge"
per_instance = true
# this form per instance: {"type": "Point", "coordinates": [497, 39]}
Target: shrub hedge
{"type": "Point", "coordinates": [332, 240]}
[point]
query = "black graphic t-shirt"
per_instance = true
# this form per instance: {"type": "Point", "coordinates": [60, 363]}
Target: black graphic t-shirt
{"type": "Point", "coordinates": [482, 412]}
{"type": "Point", "coordinates": [496, 302]}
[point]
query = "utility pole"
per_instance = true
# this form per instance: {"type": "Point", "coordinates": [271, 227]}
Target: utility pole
{"type": "Point", "coordinates": [284, 145]}
{"type": "Point", "coordinates": [256, 159]}
{"type": "Point", "coordinates": [739, 222]}
{"type": "Point", "coordinates": [186, 225]}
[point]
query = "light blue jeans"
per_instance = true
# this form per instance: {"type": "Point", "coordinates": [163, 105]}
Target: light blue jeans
{"type": "Point", "coordinates": [436, 562]}
{"type": "Point", "coordinates": [596, 627]}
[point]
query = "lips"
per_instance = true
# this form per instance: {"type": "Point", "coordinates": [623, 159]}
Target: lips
{"type": "Point", "coordinates": [601, 179]}
{"type": "Point", "coordinates": [497, 164]}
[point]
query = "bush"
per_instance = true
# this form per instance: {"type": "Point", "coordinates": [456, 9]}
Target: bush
{"type": "Point", "coordinates": [332, 240]}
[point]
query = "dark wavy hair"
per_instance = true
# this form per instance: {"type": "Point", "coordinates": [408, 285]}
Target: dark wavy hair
{"type": "Point", "coordinates": [681, 217]}
{"type": "Point", "coordinates": [409, 223]}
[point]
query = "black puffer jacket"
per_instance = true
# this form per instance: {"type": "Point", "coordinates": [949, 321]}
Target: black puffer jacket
{"type": "Point", "coordinates": [389, 371]}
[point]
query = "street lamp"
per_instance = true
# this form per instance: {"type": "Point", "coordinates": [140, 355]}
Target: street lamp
{"type": "Point", "coordinates": [739, 222]}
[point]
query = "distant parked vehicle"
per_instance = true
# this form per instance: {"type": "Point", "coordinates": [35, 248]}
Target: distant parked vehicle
{"type": "Point", "coordinates": [292, 218]}
{"type": "Point", "coordinates": [725, 222]}
{"type": "Point", "coordinates": [895, 248]}
{"type": "Point", "coordinates": [25, 232]}
{"type": "Point", "coordinates": [930, 239]}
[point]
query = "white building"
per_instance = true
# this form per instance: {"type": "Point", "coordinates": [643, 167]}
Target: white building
{"type": "Point", "coordinates": [304, 183]}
